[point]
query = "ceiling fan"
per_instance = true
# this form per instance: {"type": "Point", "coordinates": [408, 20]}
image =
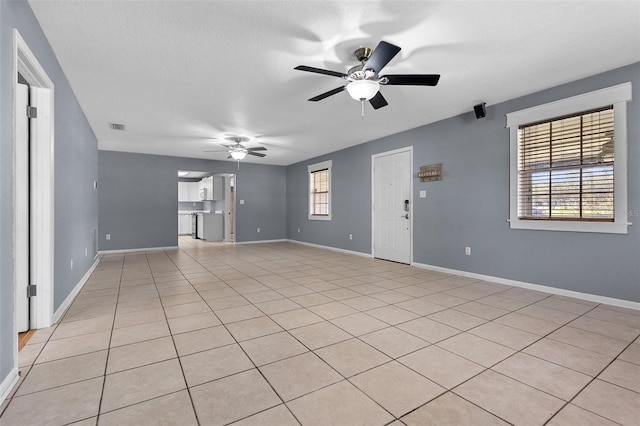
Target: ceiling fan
{"type": "Point", "coordinates": [238, 151]}
{"type": "Point", "coordinates": [364, 80]}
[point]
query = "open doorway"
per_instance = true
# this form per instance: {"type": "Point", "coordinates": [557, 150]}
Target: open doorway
{"type": "Point", "coordinates": [205, 208]}
{"type": "Point", "coordinates": [33, 191]}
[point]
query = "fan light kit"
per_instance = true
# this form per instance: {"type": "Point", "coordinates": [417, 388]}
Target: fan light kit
{"type": "Point", "coordinates": [238, 152]}
{"type": "Point", "coordinates": [364, 80]}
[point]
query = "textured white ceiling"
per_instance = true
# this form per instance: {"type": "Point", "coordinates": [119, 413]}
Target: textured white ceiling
{"type": "Point", "coordinates": [183, 75]}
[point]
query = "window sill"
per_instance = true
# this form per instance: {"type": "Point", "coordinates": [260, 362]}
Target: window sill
{"type": "Point", "coordinates": [319, 217]}
{"type": "Point", "coordinates": [618, 227]}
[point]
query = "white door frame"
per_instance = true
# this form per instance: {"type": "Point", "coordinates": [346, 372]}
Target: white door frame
{"type": "Point", "coordinates": [373, 194]}
{"type": "Point", "coordinates": [42, 145]}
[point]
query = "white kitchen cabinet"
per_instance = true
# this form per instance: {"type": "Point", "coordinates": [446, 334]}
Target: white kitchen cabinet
{"type": "Point", "coordinates": [184, 224]}
{"type": "Point", "coordinates": [183, 191]}
{"type": "Point", "coordinates": [200, 226]}
{"type": "Point", "coordinates": [214, 185]}
{"type": "Point", "coordinates": [194, 191]}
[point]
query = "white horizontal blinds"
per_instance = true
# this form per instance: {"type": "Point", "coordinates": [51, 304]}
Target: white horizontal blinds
{"type": "Point", "coordinates": [319, 193]}
{"type": "Point", "coordinates": [565, 168]}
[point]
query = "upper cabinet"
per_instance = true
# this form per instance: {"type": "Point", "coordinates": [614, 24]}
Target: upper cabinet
{"type": "Point", "coordinates": [213, 188]}
{"type": "Point", "coordinates": [189, 191]}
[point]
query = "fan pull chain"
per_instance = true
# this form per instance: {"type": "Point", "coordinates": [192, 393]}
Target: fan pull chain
{"type": "Point", "coordinates": [362, 104]}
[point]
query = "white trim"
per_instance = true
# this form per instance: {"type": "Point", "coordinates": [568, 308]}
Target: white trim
{"type": "Point", "coordinates": [67, 302]}
{"type": "Point", "coordinates": [103, 252]}
{"type": "Point", "coordinates": [8, 383]}
{"type": "Point", "coordinates": [537, 287]}
{"type": "Point", "coordinates": [411, 198]}
{"type": "Point", "coordinates": [314, 168]}
{"type": "Point", "coordinates": [618, 96]}
{"type": "Point", "coordinates": [262, 241]}
{"type": "Point", "coordinates": [355, 253]}
{"type": "Point", "coordinates": [597, 98]}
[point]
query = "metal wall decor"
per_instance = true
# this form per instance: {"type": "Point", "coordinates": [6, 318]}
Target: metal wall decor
{"type": "Point", "coordinates": [430, 173]}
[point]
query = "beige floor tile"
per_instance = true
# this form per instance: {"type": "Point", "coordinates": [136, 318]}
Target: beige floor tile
{"type": "Point", "coordinates": [524, 295]}
{"type": "Point", "coordinates": [180, 299]}
{"type": "Point", "coordinates": [569, 356]}
{"type": "Point", "coordinates": [299, 375]}
{"type": "Point", "coordinates": [320, 334]}
{"type": "Point", "coordinates": [481, 310]}
{"type": "Point", "coordinates": [445, 300]}
{"type": "Point", "coordinates": [78, 328]}
{"type": "Point", "coordinates": [606, 328]}
{"type": "Point", "coordinates": [429, 330]}
{"type": "Point", "coordinates": [139, 305]}
{"type": "Point", "coordinates": [311, 299]}
{"type": "Point", "coordinates": [508, 399]}
{"type": "Point", "coordinates": [263, 296]}
{"type": "Point", "coordinates": [139, 354]}
{"type": "Point", "coordinates": [598, 343]}
{"type": "Point", "coordinates": [276, 416]}
{"type": "Point", "coordinates": [631, 354]}
{"type": "Point", "coordinates": [505, 335]}
{"type": "Point", "coordinates": [359, 324]}
{"type": "Point", "coordinates": [92, 421]}
{"type": "Point", "coordinates": [213, 364]}
{"type": "Point", "coordinates": [332, 310]}
{"type": "Point", "coordinates": [60, 405]}
{"type": "Point", "coordinates": [193, 322]}
{"type": "Point", "coordinates": [505, 303]}
{"type": "Point", "coordinates": [476, 349]}
{"type": "Point", "coordinates": [268, 349]}
{"type": "Point", "coordinates": [571, 415]}
{"type": "Point", "coordinates": [548, 377]}
{"type": "Point", "coordinates": [227, 302]}
{"type": "Point", "coordinates": [450, 409]}
{"type": "Point", "coordinates": [78, 345]}
{"type": "Point", "coordinates": [185, 309]}
{"type": "Point", "coordinates": [239, 313]}
{"type": "Point", "coordinates": [610, 401]}
{"type": "Point", "coordinates": [529, 324]}
{"type": "Point", "coordinates": [553, 315]}
{"type": "Point", "coordinates": [396, 388]}
{"type": "Point", "coordinates": [616, 315]}
{"type": "Point", "coordinates": [565, 305]}
{"type": "Point", "coordinates": [141, 384]}
{"type": "Point", "coordinates": [392, 314]}
{"type": "Point", "coordinates": [202, 340]}
{"type": "Point", "coordinates": [252, 328]}
{"type": "Point", "coordinates": [391, 296]}
{"type": "Point", "coordinates": [276, 306]}
{"type": "Point", "coordinates": [420, 306]}
{"type": "Point", "coordinates": [28, 355]}
{"type": "Point", "coordinates": [218, 293]}
{"type": "Point", "coordinates": [42, 335]}
{"type": "Point", "coordinates": [367, 288]}
{"type": "Point", "coordinates": [140, 317]}
{"type": "Point", "coordinates": [442, 367]}
{"type": "Point", "coordinates": [352, 357]}
{"type": "Point", "coordinates": [294, 290]}
{"type": "Point", "coordinates": [79, 313]}
{"type": "Point", "coordinates": [457, 319]}
{"type": "Point", "coordinates": [364, 303]}
{"type": "Point", "coordinates": [338, 405]}
{"type": "Point", "coordinates": [63, 372]}
{"type": "Point", "coordinates": [296, 318]}
{"type": "Point", "coordinates": [624, 374]}
{"type": "Point", "coordinates": [233, 398]}
{"type": "Point", "coordinates": [139, 333]}
{"type": "Point", "coordinates": [173, 409]}
{"type": "Point", "coordinates": [393, 341]}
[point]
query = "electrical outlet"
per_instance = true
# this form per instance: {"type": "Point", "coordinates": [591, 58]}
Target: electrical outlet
{"type": "Point", "coordinates": [298, 230]}
{"type": "Point", "coordinates": [258, 230]}
{"type": "Point", "coordinates": [241, 201]}
{"type": "Point", "coordinates": [423, 194]}
{"type": "Point", "coordinates": [71, 263]}
{"type": "Point", "coordinates": [467, 251]}
{"type": "Point", "coordinates": [108, 237]}
{"type": "Point", "coordinates": [351, 236]}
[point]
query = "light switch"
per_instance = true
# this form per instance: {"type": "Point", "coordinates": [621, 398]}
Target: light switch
{"type": "Point", "coordinates": [423, 194]}
{"type": "Point", "coordinates": [241, 201]}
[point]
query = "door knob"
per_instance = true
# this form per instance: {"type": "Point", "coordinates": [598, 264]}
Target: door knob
{"type": "Point", "coordinates": [406, 216]}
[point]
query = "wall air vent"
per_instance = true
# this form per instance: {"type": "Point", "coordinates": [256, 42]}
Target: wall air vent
{"type": "Point", "coordinates": [116, 126]}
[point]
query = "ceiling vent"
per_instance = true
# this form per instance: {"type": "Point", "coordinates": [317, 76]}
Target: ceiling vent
{"type": "Point", "coordinates": [116, 126]}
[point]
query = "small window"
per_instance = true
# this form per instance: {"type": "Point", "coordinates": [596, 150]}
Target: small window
{"type": "Point", "coordinates": [320, 191]}
{"type": "Point", "coordinates": [568, 164]}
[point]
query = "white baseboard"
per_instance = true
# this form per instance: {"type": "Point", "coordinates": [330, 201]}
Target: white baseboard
{"type": "Point", "coordinates": [538, 287]}
{"type": "Point", "coordinates": [101, 252]}
{"type": "Point", "coordinates": [355, 253]}
{"type": "Point", "coordinates": [7, 384]}
{"type": "Point", "coordinates": [261, 241]}
{"type": "Point", "coordinates": [67, 302]}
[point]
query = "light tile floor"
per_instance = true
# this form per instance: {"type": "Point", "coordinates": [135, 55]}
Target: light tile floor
{"type": "Point", "coordinates": [285, 334]}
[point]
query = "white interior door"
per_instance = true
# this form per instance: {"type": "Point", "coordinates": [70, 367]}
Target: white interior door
{"type": "Point", "coordinates": [392, 206]}
{"type": "Point", "coordinates": [22, 223]}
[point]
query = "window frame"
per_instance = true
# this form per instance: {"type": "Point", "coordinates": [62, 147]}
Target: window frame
{"type": "Point", "coordinates": [618, 96]}
{"type": "Point", "coordinates": [312, 168]}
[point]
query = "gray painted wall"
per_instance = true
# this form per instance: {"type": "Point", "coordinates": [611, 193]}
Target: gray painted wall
{"type": "Point", "coordinates": [469, 207]}
{"type": "Point", "coordinates": [138, 199]}
{"type": "Point", "coordinates": [75, 154]}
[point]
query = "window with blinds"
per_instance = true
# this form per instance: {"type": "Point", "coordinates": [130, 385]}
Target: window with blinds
{"type": "Point", "coordinates": [319, 193]}
{"type": "Point", "coordinates": [566, 168]}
